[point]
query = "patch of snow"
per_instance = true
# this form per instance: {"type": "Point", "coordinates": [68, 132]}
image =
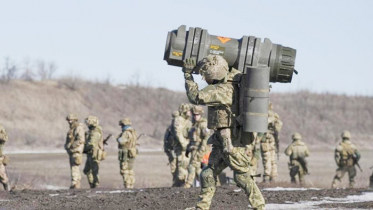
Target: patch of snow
{"type": "Point", "coordinates": [54, 187]}
{"type": "Point", "coordinates": [289, 189]}
{"type": "Point", "coordinates": [364, 197]}
{"type": "Point", "coordinates": [53, 195]}
{"type": "Point", "coordinates": [115, 191]}
{"type": "Point", "coordinates": [237, 190]}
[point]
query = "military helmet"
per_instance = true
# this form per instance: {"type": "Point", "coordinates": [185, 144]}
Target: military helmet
{"type": "Point", "coordinates": [214, 67]}
{"type": "Point", "coordinates": [71, 117]}
{"type": "Point", "coordinates": [183, 108]}
{"type": "Point", "coordinates": [175, 114]}
{"type": "Point", "coordinates": [270, 106]}
{"type": "Point", "coordinates": [197, 110]}
{"type": "Point", "coordinates": [296, 136]}
{"type": "Point", "coordinates": [346, 135]}
{"type": "Point", "coordinates": [91, 121]}
{"type": "Point", "coordinates": [125, 121]}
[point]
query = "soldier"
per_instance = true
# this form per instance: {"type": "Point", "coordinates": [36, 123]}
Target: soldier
{"type": "Point", "coordinates": [168, 146]}
{"type": "Point", "coordinates": [127, 152]}
{"type": "Point", "coordinates": [346, 156]}
{"type": "Point", "coordinates": [4, 179]}
{"type": "Point", "coordinates": [269, 145]}
{"type": "Point", "coordinates": [230, 143]}
{"type": "Point", "coordinates": [74, 146]}
{"type": "Point", "coordinates": [94, 147]}
{"type": "Point", "coordinates": [297, 151]}
{"type": "Point", "coordinates": [180, 129]}
{"type": "Point", "coordinates": [198, 145]}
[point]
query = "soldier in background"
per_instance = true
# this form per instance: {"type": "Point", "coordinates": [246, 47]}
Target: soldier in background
{"type": "Point", "coordinates": [94, 148]}
{"type": "Point", "coordinates": [168, 146]}
{"type": "Point", "coordinates": [197, 148]}
{"type": "Point", "coordinates": [346, 157]}
{"type": "Point", "coordinates": [270, 145]}
{"type": "Point", "coordinates": [180, 128]}
{"type": "Point", "coordinates": [297, 151]}
{"type": "Point", "coordinates": [4, 179]}
{"type": "Point", "coordinates": [229, 142]}
{"type": "Point", "coordinates": [127, 152]}
{"type": "Point", "coordinates": [74, 146]}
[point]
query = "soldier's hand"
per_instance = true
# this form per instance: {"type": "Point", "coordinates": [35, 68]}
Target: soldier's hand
{"type": "Point", "coordinates": [189, 65]}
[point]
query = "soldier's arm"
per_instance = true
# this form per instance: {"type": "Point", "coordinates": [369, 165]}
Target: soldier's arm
{"type": "Point", "coordinates": [307, 152]}
{"type": "Point", "coordinates": [95, 138]}
{"type": "Point", "coordinates": [289, 150]}
{"type": "Point", "coordinates": [212, 94]}
{"type": "Point", "coordinates": [79, 139]}
{"type": "Point", "coordinates": [337, 155]}
{"type": "Point", "coordinates": [124, 138]}
{"type": "Point", "coordinates": [205, 132]}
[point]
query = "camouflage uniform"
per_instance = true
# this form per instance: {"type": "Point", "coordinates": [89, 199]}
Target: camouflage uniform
{"type": "Point", "coordinates": [3, 159]}
{"type": "Point", "coordinates": [230, 144]}
{"type": "Point", "coordinates": [268, 146]}
{"type": "Point", "coordinates": [180, 129]}
{"type": "Point", "coordinates": [197, 147]}
{"type": "Point", "coordinates": [127, 152]}
{"type": "Point", "coordinates": [94, 148]}
{"type": "Point", "coordinates": [297, 151]}
{"type": "Point", "coordinates": [74, 146]}
{"type": "Point", "coordinates": [346, 155]}
{"type": "Point", "coordinates": [168, 146]}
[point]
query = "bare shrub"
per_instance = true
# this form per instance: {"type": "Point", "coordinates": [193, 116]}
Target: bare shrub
{"type": "Point", "coordinates": [9, 71]}
{"type": "Point", "coordinates": [71, 82]}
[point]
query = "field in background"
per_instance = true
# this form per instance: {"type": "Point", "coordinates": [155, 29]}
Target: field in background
{"type": "Point", "coordinates": [33, 112]}
{"type": "Point", "coordinates": [51, 171]}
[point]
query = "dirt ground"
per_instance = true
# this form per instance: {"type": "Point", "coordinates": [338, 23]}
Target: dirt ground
{"type": "Point", "coordinates": [40, 181]}
{"type": "Point", "coordinates": [227, 197]}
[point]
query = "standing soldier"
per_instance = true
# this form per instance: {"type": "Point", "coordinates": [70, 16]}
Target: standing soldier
{"type": "Point", "coordinates": [94, 148]}
{"type": "Point", "coordinates": [270, 145]}
{"type": "Point", "coordinates": [180, 129]}
{"type": "Point", "coordinates": [198, 145]}
{"type": "Point", "coordinates": [346, 156]}
{"type": "Point", "coordinates": [4, 179]}
{"type": "Point", "coordinates": [297, 151]}
{"type": "Point", "coordinates": [229, 141]}
{"type": "Point", "coordinates": [74, 146]}
{"type": "Point", "coordinates": [168, 146]}
{"type": "Point", "coordinates": [127, 152]}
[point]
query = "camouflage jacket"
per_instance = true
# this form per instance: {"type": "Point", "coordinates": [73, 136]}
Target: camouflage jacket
{"type": "Point", "coordinates": [3, 139]}
{"type": "Point", "coordinates": [220, 99]}
{"type": "Point", "coordinates": [127, 139]}
{"type": "Point", "coordinates": [274, 122]}
{"type": "Point", "coordinates": [199, 134]}
{"type": "Point", "coordinates": [297, 149]}
{"type": "Point", "coordinates": [94, 140]}
{"type": "Point", "coordinates": [346, 153]}
{"type": "Point", "coordinates": [267, 143]}
{"type": "Point", "coordinates": [75, 138]}
{"type": "Point", "coordinates": [180, 129]}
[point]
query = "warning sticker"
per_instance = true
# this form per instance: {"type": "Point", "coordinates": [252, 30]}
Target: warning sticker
{"type": "Point", "coordinates": [177, 54]}
{"type": "Point", "coordinates": [216, 50]}
{"type": "Point", "coordinates": [224, 39]}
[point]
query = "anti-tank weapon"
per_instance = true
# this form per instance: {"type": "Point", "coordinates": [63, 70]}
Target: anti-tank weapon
{"type": "Point", "coordinates": [260, 62]}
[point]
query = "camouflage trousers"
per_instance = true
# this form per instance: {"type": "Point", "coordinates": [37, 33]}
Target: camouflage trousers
{"type": "Point", "coordinates": [194, 168]}
{"type": "Point", "coordinates": [296, 170]}
{"type": "Point", "coordinates": [182, 163]}
{"type": "Point", "coordinates": [91, 170]}
{"type": "Point", "coordinates": [3, 176]}
{"type": "Point", "coordinates": [126, 170]}
{"type": "Point", "coordinates": [172, 162]}
{"type": "Point", "coordinates": [269, 165]}
{"type": "Point", "coordinates": [238, 160]}
{"type": "Point", "coordinates": [341, 171]}
{"type": "Point", "coordinates": [75, 162]}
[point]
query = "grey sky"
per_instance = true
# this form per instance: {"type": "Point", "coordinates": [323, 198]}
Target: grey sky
{"type": "Point", "coordinates": [94, 39]}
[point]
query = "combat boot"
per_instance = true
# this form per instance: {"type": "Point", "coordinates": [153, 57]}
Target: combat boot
{"type": "Point", "coordinates": [187, 186]}
{"type": "Point", "coordinates": [6, 187]}
{"type": "Point", "coordinates": [272, 180]}
{"type": "Point", "coordinates": [265, 179]}
{"type": "Point", "coordinates": [351, 185]}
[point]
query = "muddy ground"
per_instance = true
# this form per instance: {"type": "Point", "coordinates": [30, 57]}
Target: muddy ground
{"type": "Point", "coordinates": [227, 197]}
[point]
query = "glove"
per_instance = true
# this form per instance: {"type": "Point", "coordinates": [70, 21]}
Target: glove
{"type": "Point", "coordinates": [189, 65]}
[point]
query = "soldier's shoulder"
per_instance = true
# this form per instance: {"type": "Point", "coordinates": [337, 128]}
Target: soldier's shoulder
{"type": "Point", "coordinates": [339, 147]}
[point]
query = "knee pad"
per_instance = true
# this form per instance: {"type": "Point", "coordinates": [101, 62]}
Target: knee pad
{"type": "Point", "coordinates": [207, 178]}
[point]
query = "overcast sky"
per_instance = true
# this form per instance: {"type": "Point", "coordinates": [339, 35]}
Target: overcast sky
{"type": "Point", "coordinates": [121, 38]}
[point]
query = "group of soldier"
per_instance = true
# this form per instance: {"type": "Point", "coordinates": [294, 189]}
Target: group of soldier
{"type": "Point", "coordinates": [92, 143]}
{"type": "Point", "coordinates": [190, 138]}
